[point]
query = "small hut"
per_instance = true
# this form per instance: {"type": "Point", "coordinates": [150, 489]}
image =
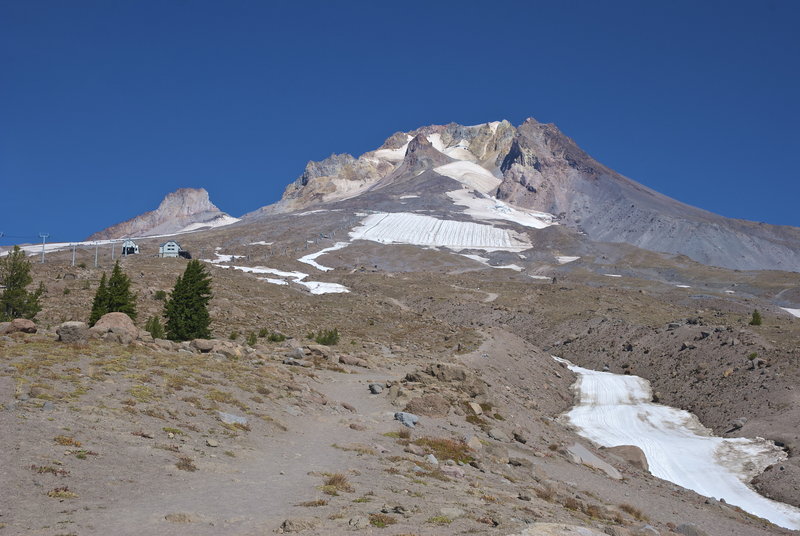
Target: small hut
{"type": "Point", "coordinates": [129, 247]}
{"type": "Point", "coordinates": [169, 249]}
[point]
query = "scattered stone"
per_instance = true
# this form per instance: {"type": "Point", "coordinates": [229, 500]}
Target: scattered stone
{"type": "Point", "coordinates": [453, 471]}
{"type": "Point", "coordinates": [631, 454]}
{"type": "Point", "coordinates": [297, 525]}
{"type": "Point", "coordinates": [357, 427]}
{"type": "Point", "coordinates": [349, 407]}
{"type": "Point", "coordinates": [580, 454]}
{"type": "Point", "coordinates": [522, 496]}
{"type": "Point", "coordinates": [353, 361]}
{"type": "Point", "coordinates": [686, 345]}
{"type": "Point", "coordinates": [519, 437]}
{"type": "Point", "coordinates": [673, 325]}
{"type": "Point", "coordinates": [296, 353]}
{"type": "Point", "coordinates": [499, 435]}
{"type": "Point", "coordinates": [324, 351]}
{"type": "Point", "coordinates": [297, 362]}
{"type": "Point", "coordinates": [476, 408]}
{"type": "Point", "coordinates": [359, 522]}
{"type": "Point", "coordinates": [431, 459]}
{"type": "Point", "coordinates": [520, 462]}
{"type": "Point", "coordinates": [230, 418]}
{"type": "Point", "coordinates": [73, 332]}
{"type": "Point", "coordinates": [411, 448]}
{"type": "Point", "coordinates": [474, 443]}
{"type": "Point", "coordinates": [375, 388]}
{"type": "Point", "coordinates": [690, 529]}
{"type": "Point", "coordinates": [406, 419]}
{"type": "Point", "coordinates": [212, 443]}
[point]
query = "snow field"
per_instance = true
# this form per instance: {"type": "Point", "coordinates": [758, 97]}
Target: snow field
{"type": "Point", "coordinates": [489, 208]}
{"type": "Point", "coordinates": [315, 287]}
{"type": "Point", "coordinates": [469, 174]}
{"type": "Point", "coordinates": [421, 230]}
{"type": "Point", "coordinates": [614, 410]}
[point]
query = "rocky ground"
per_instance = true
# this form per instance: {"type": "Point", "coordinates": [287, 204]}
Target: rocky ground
{"type": "Point", "coordinates": [126, 435]}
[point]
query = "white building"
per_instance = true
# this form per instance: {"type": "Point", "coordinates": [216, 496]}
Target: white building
{"type": "Point", "coordinates": [129, 247]}
{"type": "Point", "coordinates": [169, 249]}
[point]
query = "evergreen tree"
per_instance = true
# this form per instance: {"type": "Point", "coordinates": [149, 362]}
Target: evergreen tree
{"type": "Point", "coordinates": [154, 327]}
{"type": "Point", "coordinates": [755, 320]}
{"type": "Point", "coordinates": [15, 276]}
{"type": "Point", "coordinates": [186, 310]}
{"type": "Point", "coordinates": [113, 296]}
{"type": "Point", "coordinates": [100, 302]}
{"type": "Point", "coordinates": [120, 298]}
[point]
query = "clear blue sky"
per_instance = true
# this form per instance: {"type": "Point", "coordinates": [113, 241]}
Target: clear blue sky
{"type": "Point", "coordinates": [106, 106]}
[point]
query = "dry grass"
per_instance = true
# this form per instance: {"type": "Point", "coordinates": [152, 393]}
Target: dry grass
{"type": "Point", "coordinates": [185, 463]}
{"type": "Point", "coordinates": [633, 512]}
{"type": "Point", "coordinates": [311, 504]}
{"type": "Point", "coordinates": [66, 441]}
{"type": "Point", "coordinates": [381, 520]}
{"type": "Point", "coordinates": [62, 492]}
{"type": "Point", "coordinates": [445, 449]}
{"type": "Point", "coordinates": [336, 482]}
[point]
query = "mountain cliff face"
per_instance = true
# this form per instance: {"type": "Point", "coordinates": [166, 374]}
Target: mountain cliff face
{"type": "Point", "coordinates": [535, 166]}
{"type": "Point", "coordinates": [182, 210]}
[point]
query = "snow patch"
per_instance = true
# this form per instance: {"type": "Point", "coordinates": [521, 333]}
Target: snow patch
{"type": "Point", "coordinates": [540, 277]}
{"type": "Point", "coordinates": [564, 259]}
{"type": "Point", "coordinates": [615, 409]}
{"type": "Point", "coordinates": [421, 230]}
{"type": "Point", "coordinates": [310, 259]}
{"type": "Point", "coordinates": [315, 287]}
{"type": "Point", "coordinates": [683, 286]}
{"type": "Point", "coordinates": [261, 243]}
{"type": "Point", "coordinates": [224, 258]}
{"type": "Point", "coordinates": [489, 208]}
{"type": "Point", "coordinates": [793, 312]}
{"type": "Point", "coordinates": [612, 275]}
{"type": "Point", "coordinates": [219, 221]}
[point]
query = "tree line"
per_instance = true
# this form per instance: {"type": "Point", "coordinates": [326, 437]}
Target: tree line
{"type": "Point", "coordinates": [185, 309]}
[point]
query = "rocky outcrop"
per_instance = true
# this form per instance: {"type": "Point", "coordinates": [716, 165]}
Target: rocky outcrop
{"type": "Point", "coordinates": [180, 209]}
{"type": "Point", "coordinates": [18, 325]}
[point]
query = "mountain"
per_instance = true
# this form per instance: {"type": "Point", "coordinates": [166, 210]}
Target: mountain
{"type": "Point", "coordinates": [183, 210]}
{"type": "Point", "coordinates": [536, 167]}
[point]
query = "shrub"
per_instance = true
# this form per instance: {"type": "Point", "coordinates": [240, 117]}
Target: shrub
{"type": "Point", "coordinates": [276, 337]}
{"type": "Point", "coordinates": [234, 335]}
{"type": "Point", "coordinates": [81, 265]}
{"type": "Point", "coordinates": [755, 320]}
{"type": "Point", "coordinates": [160, 295]}
{"type": "Point", "coordinates": [252, 338]}
{"type": "Point", "coordinates": [66, 291]}
{"type": "Point", "coordinates": [263, 332]}
{"type": "Point", "coordinates": [327, 337]}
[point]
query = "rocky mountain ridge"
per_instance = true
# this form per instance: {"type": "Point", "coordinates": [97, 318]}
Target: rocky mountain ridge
{"type": "Point", "coordinates": [537, 167]}
{"type": "Point", "coordinates": [182, 210]}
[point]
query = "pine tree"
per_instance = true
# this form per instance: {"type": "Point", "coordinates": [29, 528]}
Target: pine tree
{"type": "Point", "coordinates": [120, 297]}
{"type": "Point", "coordinates": [755, 320]}
{"type": "Point", "coordinates": [100, 302]}
{"type": "Point", "coordinates": [154, 327]}
{"type": "Point", "coordinates": [113, 296]}
{"type": "Point", "coordinates": [186, 310]}
{"type": "Point", "coordinates": [15, 276]}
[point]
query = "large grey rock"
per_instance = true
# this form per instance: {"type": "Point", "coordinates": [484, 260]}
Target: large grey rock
{"type": "Point", "coordinates": [18, 325]}
{"type": "Point", "coordinates": [203, 345]}
{"type": "Point", "coordinates": [406, 419]}
{"type": "Point", "coordinates": [582, 455]}
{"type": "Point", "coordinates": [631, 454]}
{"type": "Point", "coordinates": [117, 327]}
{"type": "Point", "coordinates": [73, 332]}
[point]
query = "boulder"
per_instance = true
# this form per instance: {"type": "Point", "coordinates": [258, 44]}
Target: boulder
{"type": "Point", "coordinates": [73, 332]}
{"type": "Point", "coordinates": [116, 327]}
{"type": "Point", "coordinates": [319, 349]}
{"type": "Point", "coordinates": [631, 454]}
{"type": "Point", "coordinates": [6, 328]}
{"type": "Point", "coordinates": [353, 360]}
{"type": "Point", "coordinates": [297, 525]}
{"type": "Point", "coordinates": [23, 325]}
{"type": "Point", "coordinates": [580, 454]}
{"type": "Point", "coordinates": [406, 419]}
{"type": "Point", "coordinates": [499, 435]}
{"type": "Point", "coordinates": [203, 345]}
